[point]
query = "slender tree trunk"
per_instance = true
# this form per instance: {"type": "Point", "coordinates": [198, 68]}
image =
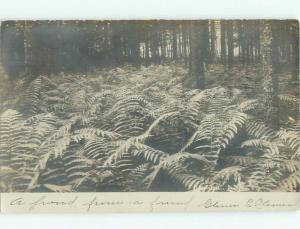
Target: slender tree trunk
{"type": "Point", "coordinates": [288, 42]}
{"type": "Point", "coordinates": [240, 40]}
{"type": "Point", "coordinates": [179, 41]}
{"type": "Point", "coordinates": [197, 57]}
{"type": "Point", "coordinates": [251, 41]}
{"type": "Point", "coordinates": [134, 45]}
{"type": "Point", "coordinates": [174, 43]}
{"type": "Point", "coordinates": [223, 42]}
{"type": "Point", "coordinates": [212, 41]}
{"type": "Point", "coordinates": [230, 43]}
{"type": "Point", "coordinates": [257, 41]}
{"type": "Point", "coordinates": [1, 41]}
{"type": "Point", "coordinates": [147, 47]}
{"type": "Point", "coordinates": [270, 78]}
{"type": "Point", "coordinates": [295, 51]}
{"type": "Point", "coordinates": [28, 59]}
{"type": "Point", "coordinates": [243, 40]}
{"type": "Point", "coordinates": [116, 44]}
{"type": "Point", "coordinates": [162, 42]}
{"type": "Point", "coordinates": [185, 33]}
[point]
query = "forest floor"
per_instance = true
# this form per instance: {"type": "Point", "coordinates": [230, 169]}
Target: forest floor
{"type": "Point", "coordinates": [148, 129]}
{"type": "Point", "coordinates": [244, 77]}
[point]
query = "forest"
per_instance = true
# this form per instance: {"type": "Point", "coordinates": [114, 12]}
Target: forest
{"type": "Point", "coordinates": [149, 105]}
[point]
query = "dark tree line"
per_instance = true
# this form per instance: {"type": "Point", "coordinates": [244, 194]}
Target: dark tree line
{"type": "Point", "coordinates": [45, 47]}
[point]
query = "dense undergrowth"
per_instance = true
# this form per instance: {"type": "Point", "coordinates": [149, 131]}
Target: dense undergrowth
{"type": "Point", "coordinates": [128, 129]}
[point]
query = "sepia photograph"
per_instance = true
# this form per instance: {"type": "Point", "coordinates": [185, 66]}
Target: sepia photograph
{"type": "Point", "coordinates": [149, 106]}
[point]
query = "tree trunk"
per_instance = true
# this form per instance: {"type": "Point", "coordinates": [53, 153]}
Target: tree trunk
{"type": "Point", "coordinates": [295, 51]}
{"type": "Point", "coordinates": [197, 57]}
{"type": "Point", "coordinates": [28, 43]}
{"type": "Point", "coordinates": [174, 43]}
{"type": "Point", "coordinates": [271, 115]}
{"type": "Point", "coordinates": [257, 41]}
{"type": "Point", "coordinates": [223, 42]}
{"type": "Point", "coordinates": [185, 33]}
{"type": "Point", "coordinates": [230, 43]}
{"type": "Point", "coordinates": [212, 41]}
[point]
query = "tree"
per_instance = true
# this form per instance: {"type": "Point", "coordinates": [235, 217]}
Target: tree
{"type": "Point", "coordinates": [197, 54]}
{"type": "Point", "coordinates": [134, 44]}
{"type": "Point", "coordinates": [268, 62]}
{"type": "Point", "coordinates": [230, 46]}
{"type": "Point", "coordinates": [295, 50]}
{"type": "Point", "coordinates": [174, 41]}
{"type": "Point", "coordinates": [257, 40]}
{"type": "Point", "coordinates": [223, 42]}
{"type": "Point", "coordinates": [212, 41]}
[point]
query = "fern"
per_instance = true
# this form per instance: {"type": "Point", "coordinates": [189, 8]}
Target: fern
{"type": "Point", "coordinates": [292, 140]}
{"type": "Point", "coordinates": [147, 153]}
{"type": "Point", "coordinates": [125, 145]}
{"type": "Point", "coordinates": [16, 149]}
{"type": "Point", "coordinates": [172, 166]}
{"type": "Point", "coordinates": [258, 130]}
{"type": "Point", "coordinates": [264, 145]}
{"type": "Point", "coordinates": [248, 105]}
{"type": "Point", "coordinates": [107, 132]}
{"type": "Point", "coordinates": [192, 182]}
{"type": "Point", "coordinates": [91, 133]}
{"type": "Point", "coordinates": [229, 176]}
{"type": "Point", "coordinates": [215, 134]}
{"type": "Point", "coordinates": [240, 160]}
{"type": "Point", "coordinates": [291, 183]}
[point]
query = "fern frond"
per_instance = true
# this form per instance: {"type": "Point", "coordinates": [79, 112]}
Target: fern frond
{"type": "Point", "coordinates": [16, 146]}
{"type": "Point", "coordinates": [149, 154]}
{"type": "Point", "coordinates": [62, 131]}
{"type": "Point", "coordinates": [292, 140]}
{"type": "Point", "coordinates": [290, 165]}
{"type": "Point", "coordinates": [96, 149]}
{"type": "Point", "coordinates": [126, 102]}
{"type": "Point", "coordinates": [231, 129]}
{"type": "Point", "coordinates": [195, 183]}
{"type": "Point", "coordinates": [264, 145]}
{"type": "Point", "coordinates": [204, 131]}
{"type": "Point", "coordinates": [248, 105]}
{"type": "Point", "coordinates": [125, 145]}
{"type": "Point", "coordinates": [229, 176]}
{"type": "Point", "coordinates": [240, 160]}
{"type": "Point", "coordinates": [261, 181]}
{"type": "Point", "coordinates": [291, 183]}
{"type": "Point", "coordinates": [213, 135]}
{"type": "Point", "coordinates": [172, 166]}
{"type": "Point", "coordinates": [259, 130]}
{"type": "Point", "coordinates": [32, 97]}
{"type": "Point", "coordinates": [91, 133]}
{"type": "Point", "coordinates": [58, 188]}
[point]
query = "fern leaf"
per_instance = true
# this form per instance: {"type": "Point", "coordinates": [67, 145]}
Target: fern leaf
{"type": "Point", "coordinates": [291, 183]}
{"type": "Point", "coordinates": [248, 105]}
{"type": "Point", "coordinates": [259, 130]}
{"type": "Point", "coordinates": [91, 133]}
{"type": "Point", "coordinates": [58, 188]}
{"type": "Point", "coordinates": [149, 154]}
{"type": "Point", "coordinates": [240, 160]}
{"type": "Point", "coordinates": [292, 140]}
{"type": "Point", "coordinates": [270, 147]}
{"type": "Point", "coordinates": [125, 145]}
{"type": "Point", "coordinates": [229, 174]}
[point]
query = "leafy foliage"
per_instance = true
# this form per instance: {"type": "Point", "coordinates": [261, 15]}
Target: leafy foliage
{"type": "Point", "coordinates": [142, 130]}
